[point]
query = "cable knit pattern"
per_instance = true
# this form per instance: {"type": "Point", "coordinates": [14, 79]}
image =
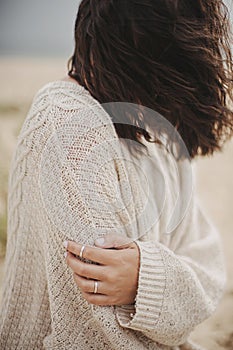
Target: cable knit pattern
{"type": "Point", "coordinates": [72, 178]}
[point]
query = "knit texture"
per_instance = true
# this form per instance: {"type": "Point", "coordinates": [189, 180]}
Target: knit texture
{"type": "Point", "coordinates": [72, 178]}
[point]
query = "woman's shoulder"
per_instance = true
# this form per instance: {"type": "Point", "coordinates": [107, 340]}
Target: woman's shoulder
{"type": "Point", "coordinates": [64, 92]}
{"type": "Point", "coordinates": [65, 107]}
{"type": "Point", "coordinates": [68, 98]}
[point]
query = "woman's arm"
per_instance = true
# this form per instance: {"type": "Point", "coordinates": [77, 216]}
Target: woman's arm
{"type": "Point", "coordinates": [85, 191]}
{"type": "Point", "coordinates": [25, 318]}
{"type": "Point", "coordinates": [177, 289]}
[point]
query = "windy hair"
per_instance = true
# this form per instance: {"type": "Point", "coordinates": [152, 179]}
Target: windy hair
{"type": "Point", "coordinates": [172, 56]}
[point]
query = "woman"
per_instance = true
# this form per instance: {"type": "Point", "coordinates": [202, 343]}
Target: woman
{"type": "Point", "coordinates": [141, 268]}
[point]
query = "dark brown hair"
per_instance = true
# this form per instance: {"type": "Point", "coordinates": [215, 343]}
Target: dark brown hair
{"type": "Point", "coordinates": [172, 56]}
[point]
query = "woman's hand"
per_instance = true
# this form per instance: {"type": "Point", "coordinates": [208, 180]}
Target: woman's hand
{"type": "Point", "coordinates": [116, 272]}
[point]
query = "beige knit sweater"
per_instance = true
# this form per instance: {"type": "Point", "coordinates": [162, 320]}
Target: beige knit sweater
{"type": "Point", "coordinates": [71, 178]}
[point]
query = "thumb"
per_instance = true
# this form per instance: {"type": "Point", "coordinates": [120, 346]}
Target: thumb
{"type": "Point", "coordinates": [114, 241]}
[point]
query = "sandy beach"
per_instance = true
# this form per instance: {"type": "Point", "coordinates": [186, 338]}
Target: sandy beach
{"type": "Point", "coordinates": [20, 80]}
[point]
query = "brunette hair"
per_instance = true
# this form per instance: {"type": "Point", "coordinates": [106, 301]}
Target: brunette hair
{"type": "Point", "coordinates": [172, 56]}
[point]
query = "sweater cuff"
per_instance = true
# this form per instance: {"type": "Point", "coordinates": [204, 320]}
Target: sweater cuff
{"type": "Point", "coordinates": [144, 314]}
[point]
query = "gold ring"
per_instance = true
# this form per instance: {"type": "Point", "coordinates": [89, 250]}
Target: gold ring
{"type": "Point", "coordinates": [95, 287]}
{"type": "Point", "coordinates": [81, 251]}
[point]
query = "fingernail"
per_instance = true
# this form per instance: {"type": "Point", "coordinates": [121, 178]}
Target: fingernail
{"type": "Point", "coordinates": [65, 244]}
{"type": "Point", "coordinates": [99, 241]}
{"type": "Point", "coordinates": [65, 254]}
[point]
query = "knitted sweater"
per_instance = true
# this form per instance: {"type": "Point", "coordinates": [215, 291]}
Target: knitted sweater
{"type": "Point", "coordinates": [71, 178]}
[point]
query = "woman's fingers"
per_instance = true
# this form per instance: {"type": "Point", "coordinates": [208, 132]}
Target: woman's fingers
{"type": "Point", "coordinates": [99, 299]}
{"type": "Point", "coordinates": [116, 272]}
{"type": "Point", "coordinates": [88, 285]}
{"type": "Point", "coordinates": [84, 269]}
{"type": "Point", "coordinates": [99, 255]}
{"type": "Point", "coordinates": [114, 241]}
{"type": "Point", "coordinates": [103, 296]}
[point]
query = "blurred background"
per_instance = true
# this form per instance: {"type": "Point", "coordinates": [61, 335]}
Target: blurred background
{"type": "Point", "coordinates": [36, 41]}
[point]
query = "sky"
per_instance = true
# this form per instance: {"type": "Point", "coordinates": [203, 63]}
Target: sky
{"type": "Point", "coordinates": [32, 27]}
{"type": "Point", "coordinates": [44, 27]}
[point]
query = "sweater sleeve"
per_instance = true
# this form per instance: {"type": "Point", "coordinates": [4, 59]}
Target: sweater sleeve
{"type": "Point", "coordinates": [80, 190]}
{"type": "Point", "coordinates": [180, 284]}
{"type": "Point", "coordinates": [87, 191]}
